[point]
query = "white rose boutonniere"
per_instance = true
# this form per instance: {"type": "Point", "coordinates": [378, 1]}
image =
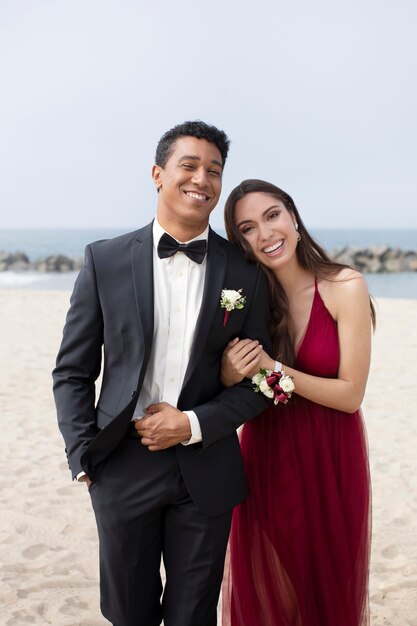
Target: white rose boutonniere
{"type": "Point", "coordinates": [275, 385]}
{"type": "Point", "coordinates": [230, 300]}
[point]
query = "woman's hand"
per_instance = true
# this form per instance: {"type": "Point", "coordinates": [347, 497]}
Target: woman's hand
{"type": "Point", "coordinates": [240, 359]}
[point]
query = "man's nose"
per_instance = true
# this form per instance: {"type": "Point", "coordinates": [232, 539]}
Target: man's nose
{"type": "Point", "coordinates": [200, 177]}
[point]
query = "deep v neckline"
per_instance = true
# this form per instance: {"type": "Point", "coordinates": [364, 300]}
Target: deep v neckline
{"type": "Point", "coordinates": [307, 326]}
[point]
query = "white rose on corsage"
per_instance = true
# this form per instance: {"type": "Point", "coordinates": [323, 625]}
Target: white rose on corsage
{"type": "Point", "coordinates": [257, 379]}
{"type": "Point", "coordinates": [287, 384]}
{"type": "Point", "coordinates": [274, 385]}
{"type": "Point", "coordinates": [230, 300]}
{"type": "Point", "coordinates": [266, 389]}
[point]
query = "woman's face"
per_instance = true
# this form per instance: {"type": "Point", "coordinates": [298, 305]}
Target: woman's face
{"type": "Point", "coordinates": [268, 227]}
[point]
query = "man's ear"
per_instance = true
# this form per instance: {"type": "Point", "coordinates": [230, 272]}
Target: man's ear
{"type": "Point", "coordinates": [157, 176]}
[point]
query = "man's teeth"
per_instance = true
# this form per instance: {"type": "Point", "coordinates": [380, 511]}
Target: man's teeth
{"type": "Point", "coordinates": [273, 248]}
{"type": "Point", "coordinates": [196, 196]}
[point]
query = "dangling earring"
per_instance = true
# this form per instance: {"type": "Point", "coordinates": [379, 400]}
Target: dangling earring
{"type": "Point", "coordinates": [298, 234]}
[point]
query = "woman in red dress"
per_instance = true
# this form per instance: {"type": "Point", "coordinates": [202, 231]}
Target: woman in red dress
{"type": "Point", "coordinates": [299, 546]}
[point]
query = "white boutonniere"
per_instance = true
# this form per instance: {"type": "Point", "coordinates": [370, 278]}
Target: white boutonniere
{"type": "Point", "coordinates": [276, 385]}
{"type": "Point", "coordinates": [231, 300]}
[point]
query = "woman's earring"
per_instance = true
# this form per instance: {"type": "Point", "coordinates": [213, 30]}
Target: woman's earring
{"type": "Point", "coordinates": [298, 234]}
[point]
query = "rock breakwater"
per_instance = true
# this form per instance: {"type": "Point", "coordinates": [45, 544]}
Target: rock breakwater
{"type": "Point", "coordinates": [373, 259]}
{"type": "Point", "coordinates": [20, 262]}
{"type": "Point", "coordinates": [380, 259]}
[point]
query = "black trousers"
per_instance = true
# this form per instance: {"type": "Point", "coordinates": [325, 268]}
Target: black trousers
{"type": "Point", "coordinates": [143, 510]}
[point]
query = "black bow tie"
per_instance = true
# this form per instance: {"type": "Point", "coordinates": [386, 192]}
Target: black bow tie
{"type": "Point", "coordinates": [195, 250]}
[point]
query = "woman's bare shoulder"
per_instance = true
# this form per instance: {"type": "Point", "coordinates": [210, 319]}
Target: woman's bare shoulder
{"type": "Point", "coordinates": [348, 277]}
{"type": "Point", "coordinates": [342, 288]}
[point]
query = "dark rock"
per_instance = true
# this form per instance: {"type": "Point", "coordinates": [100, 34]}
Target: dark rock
{"type": "Point", "coordinates": [14, 261]}
{"type": "Point", "coordinates": [55, 263]}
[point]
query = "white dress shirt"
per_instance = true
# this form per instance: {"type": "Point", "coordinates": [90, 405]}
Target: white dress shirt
{"type": "Point", "coordinates": [178, 293]}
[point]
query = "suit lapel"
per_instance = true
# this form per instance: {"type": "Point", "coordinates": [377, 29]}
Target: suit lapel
{"type": "Point", "coordinates": [213, 285]}
{"type": "Point", "coordinates": [142, 271]}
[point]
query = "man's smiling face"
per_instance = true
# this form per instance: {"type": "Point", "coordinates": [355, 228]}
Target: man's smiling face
{"type": "Point", "coordinates": [190, 184]}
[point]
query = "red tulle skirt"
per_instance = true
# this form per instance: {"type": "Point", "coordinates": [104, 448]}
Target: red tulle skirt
{"type": "Point", "coordinates": [299, 546]}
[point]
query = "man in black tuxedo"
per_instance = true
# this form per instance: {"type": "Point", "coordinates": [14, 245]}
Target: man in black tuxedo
{"type": "Point", "coordinates": [159, 450]}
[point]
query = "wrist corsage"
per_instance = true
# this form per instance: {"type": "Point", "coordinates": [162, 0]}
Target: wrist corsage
{"type": "Point", "coordinates": [276, 385]}
{"type": "Point", "coordinates": [230, 300]}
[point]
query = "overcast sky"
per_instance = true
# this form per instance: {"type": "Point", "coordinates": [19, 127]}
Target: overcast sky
{"type": "Point", "coordinates": [317, 97]}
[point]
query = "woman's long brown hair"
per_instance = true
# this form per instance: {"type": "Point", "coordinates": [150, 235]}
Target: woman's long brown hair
{"type": "Point", "coordinates": [310, 255]}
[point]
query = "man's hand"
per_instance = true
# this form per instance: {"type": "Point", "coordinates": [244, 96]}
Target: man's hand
{"type": "Point", "coordinates": [163, 426]}
{"type": "Point", "coordinates": [85, 479]}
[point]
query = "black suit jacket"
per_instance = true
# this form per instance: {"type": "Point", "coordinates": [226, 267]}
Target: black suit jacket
{"type": "Point", "coordinates": [111, 313]}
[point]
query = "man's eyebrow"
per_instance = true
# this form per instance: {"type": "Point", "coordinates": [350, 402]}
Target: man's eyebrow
{"type": "Point", "coordinates": [193, 157]}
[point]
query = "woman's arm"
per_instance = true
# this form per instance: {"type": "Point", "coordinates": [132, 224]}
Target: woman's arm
{"type": "Point", "coordinates": [348, 302]}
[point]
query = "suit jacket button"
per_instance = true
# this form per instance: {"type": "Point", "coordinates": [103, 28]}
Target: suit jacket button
{"type": "Point", "coordinates": [133, 394]}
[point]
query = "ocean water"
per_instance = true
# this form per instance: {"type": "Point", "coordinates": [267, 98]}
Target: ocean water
{"type": "Point", "coordinates": [45, 242]}
{"type": "Point", "coordinates": [42, 243]}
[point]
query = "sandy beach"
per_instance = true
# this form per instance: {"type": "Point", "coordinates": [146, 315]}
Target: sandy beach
{"type": "Point", "coordinates": [48, 539]}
